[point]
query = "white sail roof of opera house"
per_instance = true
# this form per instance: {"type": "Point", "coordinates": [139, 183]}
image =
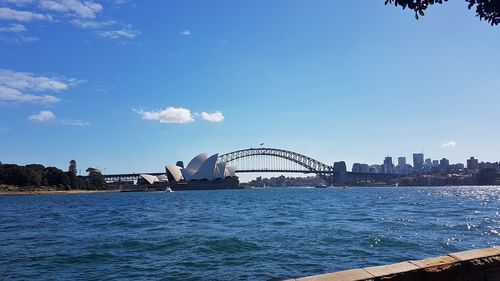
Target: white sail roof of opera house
{"type": "Point", "coordinates": [150, 178]}
{"type": "Point", "coordinates": [201, 167]}
{"type": "Point", "coordinates": [175, 171]}
{"type": "Point", "coordinates": [207, 169]}
{"type": "Point", "coordinates": [196, 162]}
{"type": "Point", "coordinates": [188, 174]}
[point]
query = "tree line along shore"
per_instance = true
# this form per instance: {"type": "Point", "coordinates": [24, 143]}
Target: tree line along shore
{"type": "Point", "coordinates": [36, 178]}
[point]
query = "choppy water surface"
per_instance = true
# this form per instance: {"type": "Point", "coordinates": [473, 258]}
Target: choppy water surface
{"type": "Point", "coordinates": [258, 234]}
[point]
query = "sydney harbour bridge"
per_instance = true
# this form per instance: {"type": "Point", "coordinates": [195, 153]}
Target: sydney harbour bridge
{"type": "Point", "coordinates": [273, 160]}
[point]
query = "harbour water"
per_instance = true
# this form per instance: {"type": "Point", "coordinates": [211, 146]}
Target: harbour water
{"type": "Point", "coordinates": [257, 234]}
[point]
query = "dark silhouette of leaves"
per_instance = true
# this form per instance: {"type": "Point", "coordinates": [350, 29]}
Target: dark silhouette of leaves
{"type": "Point", "coordinates": [488, 10]}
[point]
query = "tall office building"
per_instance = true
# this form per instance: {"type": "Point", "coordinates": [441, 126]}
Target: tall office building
{"type": "Point", "coordinates": [402, 161]}
{"type": "Point", "coordinates": [402, 167]}
{"type": "Point", "coordinates": [388, 167]}
{"type": "Point", "coordinates": [472, 164]}
{"type": "Point", "coordinates": [444, 166]}
{"type": "Point", "coordinates": [388, 161]}
{"type": "Point", "coordinates": [428, 165]}
{"type": "Point", "coordinates": [418, 162]}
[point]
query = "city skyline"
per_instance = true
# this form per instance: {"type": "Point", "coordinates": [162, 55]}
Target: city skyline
{"type": "Point", "coordinates": [428, 162]}
{"type": "Point", "coordinates": [124, 92]}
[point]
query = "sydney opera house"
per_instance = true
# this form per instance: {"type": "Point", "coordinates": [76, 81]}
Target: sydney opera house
{"type": "Point", "coordinates": [202, 172]}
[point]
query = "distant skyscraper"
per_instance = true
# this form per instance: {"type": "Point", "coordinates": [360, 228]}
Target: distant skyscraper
{"type": "Point", "coordinates": [388, 167]}
{"type": "Point", "coordinates": [472, 164]}
{"type": "Point", "coordinates": [428, 165]}
{"type": "Point", "coordinates": [402, 167]}
{"type": "Point", "coordinates": [401, 161]}
{"type": "Point", "coordinates": [418, 162]}
{"type": "Point", "coordinates": [444, 165]}
{"type": "Point", "coordinates": [388, 160]}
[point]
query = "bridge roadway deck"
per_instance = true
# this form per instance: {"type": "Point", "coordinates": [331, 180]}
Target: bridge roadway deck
{"type": "Point", "coordinates": [127, 177]}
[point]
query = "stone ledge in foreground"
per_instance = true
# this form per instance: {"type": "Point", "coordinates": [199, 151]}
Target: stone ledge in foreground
{"type": "Point", "coordinates": [480, 265]}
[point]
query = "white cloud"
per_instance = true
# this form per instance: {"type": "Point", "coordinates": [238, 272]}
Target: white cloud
{"type": "Point", "coordinates": [14, 33]}
{"type": "Point", "coordinates": [21, 86]}
{"type": "Point", "coordinates": [115, 30]}
{"type": "Point", "coordinates": [11, 14]}
{"type": "Point", "coordinates": [15, 27]}
{"type": "Point", "coordinates": [14, 95]}
{"type": "Point", "coordinates": [213, 117]}
{"type": "Point", "coordinates": [449, 144]}
{"type": "Point", "coordinates": [85, 9]}
{"type": "Point", "coordinates": [19, 2]}
{"type": "Point", "coordinates": [17, 39]}
{"type": "Point", "coordinates": [119, 34]}
{"type": "Point", "coordinates": [84, 14]}
{"type": "Point", "coordinates": [70, 122]}
{"type": "Point", "coordinates": [25, 39]}
{"type": "Point", "coordinates": [28, 81]}
{"type": "Point", "coordinates": [177, 115]}
{"type": "Point", "coordinates": [43, 116]}
{"type": "Point", "coordinates": [90, 24]}
{"type": "Point", "coordinates": [186, 32]}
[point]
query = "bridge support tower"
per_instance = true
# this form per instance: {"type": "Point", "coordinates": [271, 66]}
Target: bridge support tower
{"type": "Point", "coordinates": [339, 173]}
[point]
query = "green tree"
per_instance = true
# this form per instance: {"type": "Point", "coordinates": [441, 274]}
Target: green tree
{"type": "Point", "coordinates": [73, 179]}
{"type": "Point", "coordinates": [489, 10]}
{"type": "Point", "coordinates": [56, 177]}
{"type": "Point", "coordinates": [487, 176]}
{"type": "Point", "coordinates": [72, 167]}
{"type": "Point", "coordinates": [39, 173]}
{"type": "Point", "coordinates": [96, 179]}
{"type": "Point", "coordinates": [19, 175]}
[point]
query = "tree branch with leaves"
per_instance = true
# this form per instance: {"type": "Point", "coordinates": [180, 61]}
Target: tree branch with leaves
{"type": "Point", "coordinates": [488, 10]}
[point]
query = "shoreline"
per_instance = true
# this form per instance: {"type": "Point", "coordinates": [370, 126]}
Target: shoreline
{"type": "Point", "coordinates": [85, 191]}
{"type": "Point", "coordinates": [55, 192]}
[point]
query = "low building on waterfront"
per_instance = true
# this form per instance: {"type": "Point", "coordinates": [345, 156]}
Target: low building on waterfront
{"type": "Point", "coordinates": [375, 169]}
{"type": "Point", "coordinates": [360, 168]}
{"type": "Point", "coordinates": [145, 182]}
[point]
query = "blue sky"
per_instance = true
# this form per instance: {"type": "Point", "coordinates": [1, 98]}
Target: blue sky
{"type": "Point", "coordinates": [130, 86]}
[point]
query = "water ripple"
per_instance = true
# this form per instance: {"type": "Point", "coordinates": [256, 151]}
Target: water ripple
{"type": "Point", "coordinates": [263, 234]}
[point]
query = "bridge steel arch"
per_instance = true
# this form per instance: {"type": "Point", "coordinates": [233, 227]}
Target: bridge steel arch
{"type": "Point", "coordinates": [311, 165]}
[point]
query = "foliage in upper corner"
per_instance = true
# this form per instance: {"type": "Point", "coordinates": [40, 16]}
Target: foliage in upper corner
{"type": "Point", "coordinates": [488, 10]}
